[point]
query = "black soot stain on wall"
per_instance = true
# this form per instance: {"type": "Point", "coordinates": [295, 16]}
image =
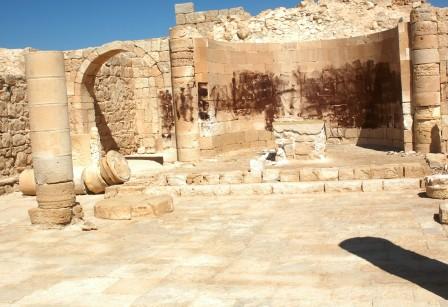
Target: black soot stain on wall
{"type": "Point", "coordinates": [359, 95]}
{"type": "Point", "coordinates": [166, 108]}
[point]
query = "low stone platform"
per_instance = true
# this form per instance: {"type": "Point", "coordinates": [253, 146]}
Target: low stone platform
{"type": "Point", "coordinates": [366, 178]}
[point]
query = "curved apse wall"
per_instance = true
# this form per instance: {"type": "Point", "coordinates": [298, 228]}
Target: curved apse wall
{"type": "Point", "coordinates": [353, 84]}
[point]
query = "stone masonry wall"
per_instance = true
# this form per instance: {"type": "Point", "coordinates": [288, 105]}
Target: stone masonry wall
{"type": "Point", "coordinates": [352, 84]}
{"type": "Point", "coordinates": [115, 108]}
{"type": "Point", "coordinates": [15, 150]}
{"type": "Point", "coordinates": [137, 117]}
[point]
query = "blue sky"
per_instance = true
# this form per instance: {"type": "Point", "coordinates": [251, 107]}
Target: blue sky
{"type": "Point", "coordinates": [64, 24]}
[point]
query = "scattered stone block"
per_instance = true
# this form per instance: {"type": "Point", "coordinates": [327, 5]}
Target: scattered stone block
{"type": "Point", "coordinates": [437, 186]}
{"type": "Point", "coordinates": [343, 186]}
{"type": "Point", "coordinates": [443, 213]}
{"type": "Point", "coordinates": [436, 160]}
{"type": "Point", "coordinates": [125, 208]}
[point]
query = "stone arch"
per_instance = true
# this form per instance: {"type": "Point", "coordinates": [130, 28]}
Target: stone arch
{"type": "Point", "coordinates": [82, 101]}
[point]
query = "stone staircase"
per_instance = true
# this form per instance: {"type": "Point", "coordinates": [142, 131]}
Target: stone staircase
{"type": "Point", "coordinates": [364, 178]}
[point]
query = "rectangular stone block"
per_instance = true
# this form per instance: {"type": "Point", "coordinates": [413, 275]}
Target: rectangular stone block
{"type": "Point", "coordinates": [401, 184]}
{"type": "Point", "coordinates": [184, 8]}
{"type": "Point", "coordinates": [251, 189]}
{"type": "Point", "coordinates": [231, 177]}
{"type": "Point", "coordinates": [414, 170]}
{"type": "Point", "coordinates": [308, 174]}
{"type": "Point", "coordinates": [290, 175]}
{"type": "Point", "coordinates": [252, 177]}
{"type": "Point", "coordinates": [372, 185]}
{"type": "Point", "coordinates": [362, 172]}
{"type": "Point", "coordinates": [346, 173]}
{"type": "Point", "coordinates": [176, 179]}
{"type": "Point", "coordinates": [196, 190]}
{"type": "Point", "coordinates": [298, 187]}
{"type": "Point", "coordinates": [386, 171]}
{"type": "Point", "coordinates": [271, 175]}
{"type": "Point", "coordinates": [343, 186]}
{"type": "Point", "coordinates": [325, 174]}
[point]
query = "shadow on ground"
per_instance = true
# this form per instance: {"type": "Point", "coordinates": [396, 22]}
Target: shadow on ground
{"type": "Point", "coordinates": [428, 273]}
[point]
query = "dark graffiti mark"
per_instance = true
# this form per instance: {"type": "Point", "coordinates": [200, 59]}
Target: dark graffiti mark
{"type": "Point", "coordinates": [203, 103]}
{"type": "Point", "coordinates": [363, 95]}
{"type": "Point", "coordinates": [184, 104]}
{"type": "Point", "coordinates": [166, 106]}
{"type": "Point", "coordinates": [360, 94]}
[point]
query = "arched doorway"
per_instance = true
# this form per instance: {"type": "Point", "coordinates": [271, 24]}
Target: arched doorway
{"type": "Point", "coordinates": [120, 89]}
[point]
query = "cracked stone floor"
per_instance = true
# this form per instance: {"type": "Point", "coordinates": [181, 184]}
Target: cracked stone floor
{"type": "Point", "coordinates": [356, 249]}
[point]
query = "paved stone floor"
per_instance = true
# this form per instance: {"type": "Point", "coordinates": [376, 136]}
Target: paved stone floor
{"type": "Point", "coordinates": [305, 250]}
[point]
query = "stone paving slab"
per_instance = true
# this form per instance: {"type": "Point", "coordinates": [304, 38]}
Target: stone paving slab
{"type": "Point", "coordinates": [352, 249]}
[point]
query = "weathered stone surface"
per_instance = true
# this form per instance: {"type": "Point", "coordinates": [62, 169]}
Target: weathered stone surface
{"type": "Point", "coordinates": [298, 187]}
{"type": "Point", "coordinates": [40, 216]}
{"type": "Point", "coordinates": [195, 179]}
{"type": "Point", "coordinates": [251, 189]}
{"type": "Point", "coordinates": [343, 186]}
{"type": "Point", "coordinates": [176, 179]}
{"type": "Point", "coordinates": [401, 184]}
{"type": "Point", "coordinates": [372, 185]}
{"type": "Point", "coordinates": [271, 175]}
{"type": "Point", "coordinates": [252, 177]}
{"type": "Point", "coordinates": [346, 173]}
{"type": "Point", "coordinates": [435, 160]}
{"type": "Point", "coordinates": [231, 177]}
{"type": "Point", "coordinates": [289, 176]}
{"type": "Point", "coordinates": [437, 191]}
{"type": "Point", "coordinates": [125, 208]}
{"type": "Point", "coordinates": [362, 172]}
{"type": "Point", "coordinates": [55, 196]}
{"type": "Point", "coordinates": [414, 170]}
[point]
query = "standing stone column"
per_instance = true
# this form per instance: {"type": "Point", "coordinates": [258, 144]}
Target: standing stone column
{"type": "Point", "coordinates": [185, 94]}
{"type": "Point", "coordinates": [426, 80]}
{"type": "Point", "coordinates": [50, 138]}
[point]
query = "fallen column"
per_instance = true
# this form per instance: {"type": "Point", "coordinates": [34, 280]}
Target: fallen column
{"type": "Point", "coordinates": [50, 138]}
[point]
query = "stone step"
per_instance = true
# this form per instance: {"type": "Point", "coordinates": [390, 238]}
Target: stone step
{"type": "Point", "coordinates": [368, 185]}
{"type": "Point", "coordinates": [304, 174]}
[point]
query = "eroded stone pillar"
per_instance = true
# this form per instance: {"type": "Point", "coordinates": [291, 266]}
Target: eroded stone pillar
{"type": "Point", "coordinates": [184, 93]}
{"type": "Point", "coordinates": [426, 80]}
{"type": "Point", "coordinates": [50, 138]}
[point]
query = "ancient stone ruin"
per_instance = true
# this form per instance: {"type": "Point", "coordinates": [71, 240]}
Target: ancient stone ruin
{"type": "Point", "coordinates": [297, 79]}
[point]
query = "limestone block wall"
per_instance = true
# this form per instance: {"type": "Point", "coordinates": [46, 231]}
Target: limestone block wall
{"type": "Point", "coordinates": [115, 107]}
{"type": "Point", "coordinates": [15, 150]}
{"type": "Point", "coordinates": [353, 84]}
